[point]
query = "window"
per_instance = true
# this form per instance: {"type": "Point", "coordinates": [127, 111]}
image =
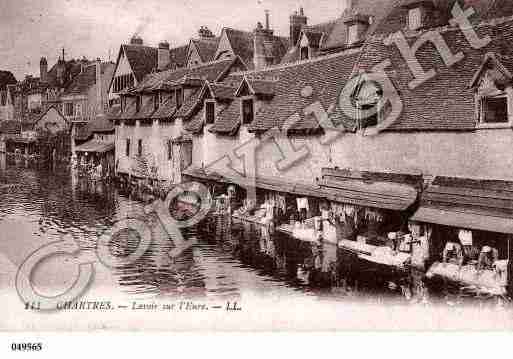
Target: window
{"type": "Point", "coordinates": [137, 103]}
{"type": "Point", "coordinates": [179, 98]}
{"type": "Point", "coordinates": [139, 148]}
{"type": "Point", "coordinates": [68, 109]}
{"type": "Point", "coordinates": [123, 104]}
{"type": "Point", "coordinates": [304, 53]}
{"type": "Point", "coordinates": [352, 35]}
{"type": "Point", "coordinates": [169, 150]}
{"type": "Point", "coordinates": [127, 148]}
{"type": "Point", "coordinates": [78, 109]}
{"type": "Point", "coordinates": [368, 116]}
{"type": "Point", "coordinates": [210, 112]}
{"type": "Point", "coordinates": [494, 110]}
{"type": "Point", "coordinates": [415, 19]}
{"type": "Point", "coordinates": [248, 113]}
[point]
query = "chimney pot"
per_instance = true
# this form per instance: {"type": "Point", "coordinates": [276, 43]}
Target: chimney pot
{"type": "Point", "coordinates": [136, 40]}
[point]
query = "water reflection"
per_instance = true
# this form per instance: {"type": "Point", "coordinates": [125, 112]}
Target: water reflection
{"type": "Point", "coordinates": [219, 263]}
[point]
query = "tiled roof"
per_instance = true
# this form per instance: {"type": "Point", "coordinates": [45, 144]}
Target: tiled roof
{"type": "Point", "coordinates": [188, 106]}
{"type": "Point", "coordinates": [178, 56]}
{"type": "Point", "coordinates": [170, 78]}
{"type": "Point", "coordinates": [242, 44]}
{"type": "Point", "coordinates": [222, 92]}
{"type": "Point", "coordinates": [225, 123]}
{"type": "Point", "coordinates": [166, 109]}
{"type": "Point", "coordinates": [206, 48]}
{"type": "Point", "coordinates": [82, 82]}
{"type": "Point", "coordinates": [142, 59]}
{"type": "Point", "coordinates": [445, 102]}
{"type": "Point", "coordinates": [325, 76]}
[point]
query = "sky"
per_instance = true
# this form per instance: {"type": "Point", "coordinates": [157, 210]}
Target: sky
{"type": "Point", "coordinates": [96, 28]}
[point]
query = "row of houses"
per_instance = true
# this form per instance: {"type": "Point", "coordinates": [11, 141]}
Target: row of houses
{"type": "Point", "coordinates": [366, 114]}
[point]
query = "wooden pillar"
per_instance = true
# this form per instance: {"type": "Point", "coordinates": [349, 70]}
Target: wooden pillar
{"type": "Point", "coordinates": [509, 287]}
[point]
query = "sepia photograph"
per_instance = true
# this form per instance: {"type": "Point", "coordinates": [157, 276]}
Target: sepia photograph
{"type": "Point", "coordinates": [255, 166]}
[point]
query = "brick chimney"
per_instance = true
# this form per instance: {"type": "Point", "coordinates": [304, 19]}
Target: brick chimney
{"type": "Point", "coordinates": [136, 40]}
{"type": "Point", "coordinates": [164, 57]}
{"type": "Point", "coordinates": [43, 70]}
{"type": "Point", "coordinates": [297, 21]}
{"type": "Point", "coordinates": [263, 44]}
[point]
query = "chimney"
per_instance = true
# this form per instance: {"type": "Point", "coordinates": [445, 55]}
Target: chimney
{"type": "Point", "coordinates": [357, 25]}
{"type": "Point", "coordinates": [297, 21]}
{"type": "Point", "coordinates": [164, 57]}
{"type": "Point", "coordinates": [263, 41]}
{"type": "Point", "coordinates": [136, 40]}
{"type": "Point", "coordinates": [267, 25]}
{"type": "Point", "coordinates": [43, 70]}
{"type": "Point", "coordinates": [99, 85]}
{"type": "Point", "coordinates": [205, 33]}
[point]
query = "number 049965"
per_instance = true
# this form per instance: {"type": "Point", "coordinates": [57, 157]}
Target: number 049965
{"type": "Point", "coordinates": [26, 347]}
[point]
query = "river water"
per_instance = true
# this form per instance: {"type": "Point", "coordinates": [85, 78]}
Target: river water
{"type": "Point", "coordinates": [43, 206]}
{"type": "Point", "coordinates": [46, 206]}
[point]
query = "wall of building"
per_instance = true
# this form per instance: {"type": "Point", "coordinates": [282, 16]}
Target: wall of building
{"type": "Point", "coordinates": [480, 154]}
{"type": "Point", "coordinates": [155, 141]}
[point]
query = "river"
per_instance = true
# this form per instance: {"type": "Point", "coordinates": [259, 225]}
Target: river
{"type": "Point", "coordinates": [43, 206]}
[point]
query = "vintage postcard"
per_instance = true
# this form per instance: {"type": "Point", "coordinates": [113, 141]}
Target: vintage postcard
{"type": "Point", "coordinates": [256, 165]}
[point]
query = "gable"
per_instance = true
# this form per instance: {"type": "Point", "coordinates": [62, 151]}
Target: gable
{"type": "Point", "coordinates": [122, 68]}
{"type": "Point", "coordinates": [193, 57]}
{"type": "Point", "coordinates": [51, 121]}
{"type": "Point", "coordinates": [224, 48]}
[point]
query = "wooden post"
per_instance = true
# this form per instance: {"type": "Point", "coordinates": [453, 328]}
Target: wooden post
{"type": "Point", "coordinates": [509, 287]}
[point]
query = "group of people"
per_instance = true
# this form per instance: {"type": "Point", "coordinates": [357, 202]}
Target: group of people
{"type": "Point", "coordinates": [465, 253]}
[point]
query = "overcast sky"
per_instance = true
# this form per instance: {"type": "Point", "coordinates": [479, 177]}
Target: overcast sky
{"type": "Point", "coordinates": [93, 28]}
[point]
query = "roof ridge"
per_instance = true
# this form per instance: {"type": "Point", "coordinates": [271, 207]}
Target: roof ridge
{"type": "Point", "coordinates": [347, 52]}
{"type": "Point", "coordinates": [447, 28]}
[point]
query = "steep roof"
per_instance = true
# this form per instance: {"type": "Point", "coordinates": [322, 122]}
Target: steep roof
{"type": "Point", "coordinates": [242, 44]}
{"type": "Point", "coordinates": [169, 79]}
{"type": "Point", "coordinates": [446, 101]}
{"type": "Point", "coordinates": [178, 56]}
{"type": "Point", "coordinates": [323, 77]}
{"type": "Point", "coordinates": [206, 48]}
{"type": "Point", "coordinates": [142, 59]}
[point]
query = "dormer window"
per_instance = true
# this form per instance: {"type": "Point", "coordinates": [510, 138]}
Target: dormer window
{"type": "Point", "coordinates": [352, 35]}
{"type": "Point", "coordinates": [357, 26]}
{"type": "Point", "coordinates": [248, 111]}
{"type": "Point", "coordinates": [304, 53]}
{"type": "Point", "coordinates": [415, 18]}
{"type": "Point", "coordinates": [369, 102]}
{"type": "Point", "coordinates": [210, 112]}
{"type": "Point", "coordinates": [492, 84]}
{"type": "Point", "coordinates": [494, 109]}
